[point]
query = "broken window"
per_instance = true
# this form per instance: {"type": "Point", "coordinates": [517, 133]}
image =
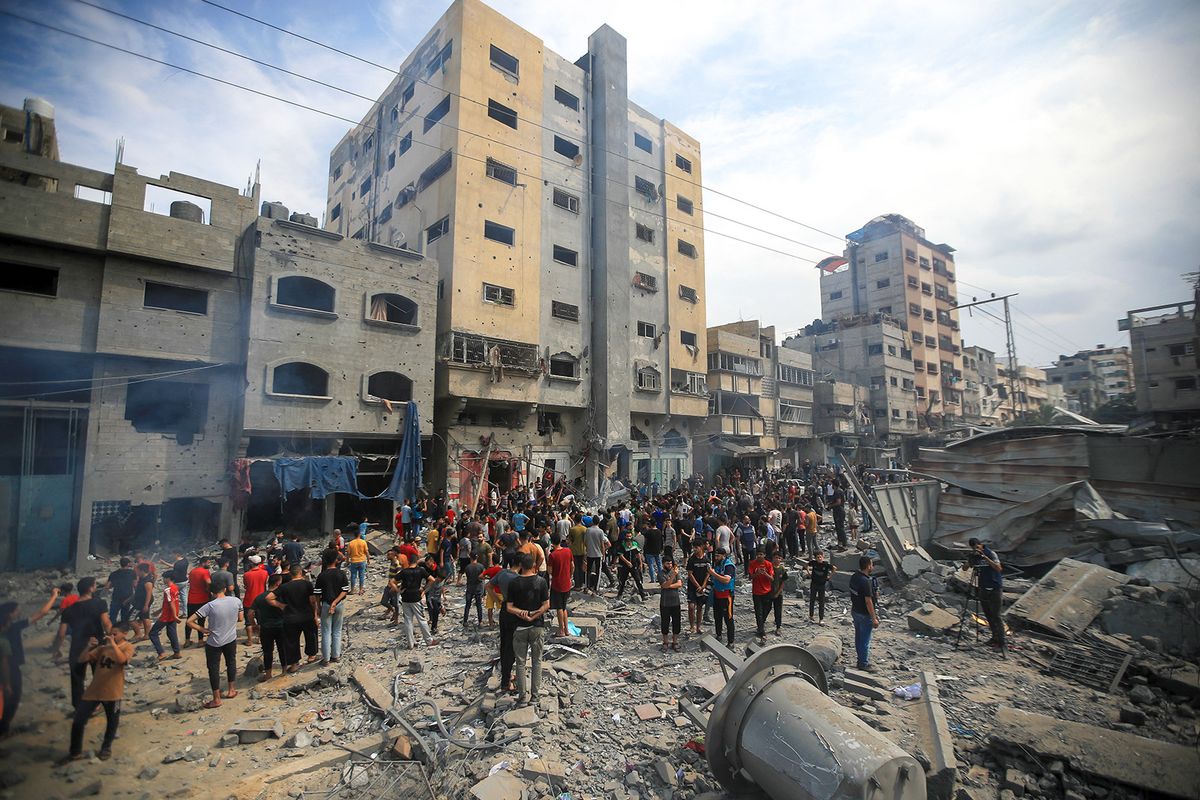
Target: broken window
{"type": "Point", "coordinates": [566, 311]}
{"type": "Point", "coordinates": [687, 248]}
{"type": "Point", "coordinates": [434, 116]}
{"type": "Point", "coordinates": [31, 280]}
{"type": "Point", "coordinates": [180, 205]}
{"type": "Point", "coordinates": [474, 350]}
{"type": "Point", "coordinates": [565, 255]}
{"type": "Point", "coordinates": [336, 212]}
{"type": "Point", "coordinates": [687, 338]}
{"type": "Point", "coordinates": [390, 386]}
{"type": "Point", "coordinates": [683, 163]}
{"type": "Point", "coordinates": [405, 143]}
{"type": "Point", "coordinates": [502, 114]}
{"type": "Point", "coordinates": [499, 233]}
{"type": "Point", "coordinates": [795, 412]}
{"type": "Point", "coordinates": [875, 349]}
{"type": "Point", "coordinates": [564, 365]}
{"type": "Point", "coordinates": [300, 379]}
{"type": "Point", "coordinates": [395, 308]}
{"type": "Point", "coordinates": [646, 329]}
{"type": "Point", "coordinates": [645, 188]}
{"type": "Point", "coordinates": [157, 406]}
{"type": "Point", "coordinates": [439, 61]}
{"type": "Point", "coordinates": [500, 295]}
{"type": "Point", "coordinates": [175, 298]}
{"type": "Point", "coordinates": [646, 282]}
{"type": "Point", "coordinates": [364, 187]}
{"type": "Point", "coordinates": [298, 291]}
{"type": "Point", "coordinates": [649, 379]}
{"type": "Point", "coordinates": [549, 422]}
{"type": "Point", "coordinates": [407, 95]}
{"type": "Point", "coordinates": [406, 195]}
{"type": "Point", "coordinates": [566, 98]}
{"type": "Point", "coordinates": [689, 382]}
{"type": "Point", "coordinates": [435, 170]}
{"type": "Point", "coordinates": [689, 294]}
{"type": "Point", "coordinates": [566, 148]}
{"type": "Point", "coordinates": [437, 230]}
{"type": "Point", "coordinates": [645, 232]}
{"type": "Point", "coordinates": [683, 204]}
{"type": "Point", "coordinates": [501, 172]}
{"type": "Point", "coordinates": [566, 200]}
{"type": "Point", "coordinates": [505, 62]}
{"type": "Point", "coordinates": [385, 215]}
{"type": "Point", "coordinates": [643, 143]}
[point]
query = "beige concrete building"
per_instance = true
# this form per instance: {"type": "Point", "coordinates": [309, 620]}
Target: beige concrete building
{"type": "Point", "coordinates": [1091, 378]}
{"type": "Point", "coordinates": [568, 225]}
{"type": "Point", "coordinates": [894, 270]}
{"type": "Point", "coordinates": [981, 398]}
{"type": "Point", "coordinates": [1031, 392]}
{"type": "Point", "coordinates": [1164, 343]}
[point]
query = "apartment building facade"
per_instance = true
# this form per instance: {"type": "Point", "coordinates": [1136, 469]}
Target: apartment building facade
{"type": "Point", "coordinates": [1024, 392]}
{"type": "Point", "coordinates": [568, 225]}
{"type": "Point", "coordinates": [981, 399]}
{"type": "Point", "coordinates": [1091, 378]}
{"type": "Point", "coordinates": [891, 268]}
{"type": "Point", "coordinates": [1164, 343]}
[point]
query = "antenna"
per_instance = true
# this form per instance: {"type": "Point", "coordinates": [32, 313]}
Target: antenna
{"type": "Point", "coordinates": [120, 150]}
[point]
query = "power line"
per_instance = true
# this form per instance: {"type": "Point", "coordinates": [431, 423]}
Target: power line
{"type": "Point", "coordinates": [418, 79]}
{"type": "Point", "coordinates": [114, 377]}
{"type": "Point", "coordinates": [1063, 341]}
{"type": "Point", "coordinates": [377, 129]}
{"type": "Point", "coordinates": [117, 381]}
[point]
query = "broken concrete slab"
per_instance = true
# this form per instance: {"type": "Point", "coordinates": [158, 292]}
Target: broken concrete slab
{"type": "Point", "coordinates": [501, 786]}
{"type": "Point", "coordinates": [1113, 756]}
{"type": "Point", "coordinates": [256, 730]}
{"type": "Point", "coordinates": [552, 772]}
{"type": "Point", "coordinates": [937, 742]}
{"type": "Point", "coordinates": [1067, 598]}
{"type": "Point", "coordinates": [648, 711]}
{"type": "Point", "coordinates": [867, 678]}
{"type": "Point", "coordinates": [522, 717]}
{"type": "Point", "coordinates": [1171, 624]}
{"type": "Point", "coordinates": [374, 691]}
{"type": "Point", "coordinates": [713, 684]}
{"type": "Point", "coordinates": [589, 627]}
{"type": "Point", "coordinates": [866, 690]}
{"type": "Point", "coordinates": [931, 619]}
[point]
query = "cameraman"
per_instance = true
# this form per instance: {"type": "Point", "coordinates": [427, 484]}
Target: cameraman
{"type": "Point", "coordinates": [987, 567]}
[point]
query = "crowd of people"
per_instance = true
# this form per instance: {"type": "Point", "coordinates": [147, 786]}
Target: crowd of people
{"type": "Point", "coordinates": [518, 556]}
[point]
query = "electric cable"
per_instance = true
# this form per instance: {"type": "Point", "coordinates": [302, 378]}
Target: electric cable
{"type": "Point", "coordinates": [121, 381]}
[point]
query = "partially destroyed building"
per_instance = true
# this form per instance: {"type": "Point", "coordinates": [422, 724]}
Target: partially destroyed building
{"type": "Point", "coordinates": [1165, 344]}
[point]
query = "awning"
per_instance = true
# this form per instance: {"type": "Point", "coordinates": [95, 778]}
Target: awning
{"type": "Point", "coordinates": [742, 450]}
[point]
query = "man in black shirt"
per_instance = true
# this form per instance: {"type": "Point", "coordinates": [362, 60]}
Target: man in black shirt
{"type": "Point", "coordinates": [299, 605]}
{"type": "Point", "coordinates": [330, 590]}
{"type": "Point", "coordinates": [528, 600]}
{"type": "Point", "coordinates": [268, 619]}
{"type": "Point", "coordinates": [413, 581]}
{"type": "Point", "coordinates": [227, 560]}
{"type": "Point", "coordinates": [837, 501]}
{"type": "Point", "coordinates": [697, 585]}
{"type": "Point", "coordinates": [293, 552]}
{"type": "Point", "coordinates": [991, 589]}
{"type": "Point", "coordinates": [87, 619]}
{"type": "Point", "coordinates": [121, 584]}
{"type": "Point", "coordinates": [820, 572]}
{"type": "Point", "coordinates": [863, 611]}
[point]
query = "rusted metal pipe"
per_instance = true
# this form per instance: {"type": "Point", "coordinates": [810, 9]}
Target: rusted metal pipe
{"type": "Point", "coordinates": [774, 728]}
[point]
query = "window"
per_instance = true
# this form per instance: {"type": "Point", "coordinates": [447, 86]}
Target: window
{"type": "Point", "coordinates": [687, 338]}
{"type": "Point", "coordinates": [647, 330]}
{"type": "Point", "coordinates": [683, 163]}
{"type": "Point", "coordinates": [683, 204]}
{"type": "Point", "coordinates": [642, 143]}
{"type": "Point", "coordinates": [386, 214]}
{"type": "Point", "coordinates": [499, 233]}
{"type": "Point", "coordinates": [645, 188]}
{"type": "Point", "coordinates": [437, 230]}
{"type": "Point", "coordinates": [875, 350]}
{"type": "Point", "coordinates": [892, 381]}
{"type": "Point", "coordinates": [505, 62]}
{"type": "Point", "coordinates": [689, 382]}
{"type": "Point", "coordinates": [910, 255]}
{"type": "Point", "coordinates": [161, 295]}
{"type": "Point", "coordinates": [882, 255]}
{"type": "Point", "coordinates": [166, 406]}
{"type": "Point", "coordinates": [336, 212]}
{"type": "Point", "coordinates": [564, 365]}
{"type": "Point", "coordinates": [392, 160]}
{"type": "Point", "coordinates": [835, 295]}
{"type": "Point", "coordinates": [891, 348]}
{"type": "Point", "coordinates": [435, 170]}
{"type": "Point", "coordinates": [565, 311]}
{"type": "Point", "coordinates": [643, 281]}
{"type": "Point", "coordinates": [914, 309]}
{"type": "Point", "coordinates": [926, 288]}
{"type": "Point", "coordinates": [501, 172]}
{"type": "Point", "coordinates": [924, 262]}
{"type": "Point", "coordinates": [298, 291]}
{"type": "Point", "coordinates": [912, 281]}
{"type": "Point", "coordinates": [337, 173]}
{"type": "Point", "coordinates": [406, 196]}
{"type": "Point", "coordinates": [645, 232]}
{"type": "Point", "coordinates": [500, 295]}
{"type": "Point", "coordinates": [368, 143]}
{"type": "Point", "coordinates": [931, 343]}
{"type": "Point", "coordinates": [439, 111]}
{"type": "Point", "coordinates": [407, 95]}
{"type": "Point", "coordinates": [687, 248]}
{"type": "Point", "coordinates": [406, 142]}
{"type": "Point", "coordinates": [300, 379]}
{"type": "Point", "coordinates": [389, 386]}
{"type": "Point", "coordinates": [927, 315]}
{"type": "Point", "coordinates": [504, 419]}
{"type": "Point", "coordinates": [895, 413]}
{"type": "Point", "coordinates": [743, 365]}
{"type": "Point", "coordinates": [1185, 384]}
{"type": "Point", "coordinates": [649, 379]}
{"type": "Point", "coordinates": [566, 200]}
{"type": "Point", "coordinates": [565, 255]}
{"type": "Point", "coordinates": [502, 114]}
{"type": "Point", "coordinates": [885, 309]}
{"type": "Point", "coordinates": [394, 308]}
{"type": "Point", "coordinates": [883, 284]}
{"type": "Point", "coordinates": [1184, 349]}
{"type": "Point", "coordinates": [32, 280]}
{"type": "Point", "coordinates": [565, 148]}
{"type": "Point", "coordinates": [939, 265]}
{"type": "Point", "coordinates": [364, 187]}
{"type": "Point", "coordinates": [566, 98]}
{"type": "Point", "coordinates": [689, 294]}
{"type": "Point", "coordinates": [439, 61]}
{"type": "Point", "coordinates": [549, 422]}
{"type": "Point", "coordinates": [795, 375]}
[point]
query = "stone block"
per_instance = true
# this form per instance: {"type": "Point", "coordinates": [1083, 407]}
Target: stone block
{"type": "Point", "coordinates": [521, 717]}
{"type": "Point", "coordinates": [256, 730]}
{"type": "Point", "coordinates": [931, 619]}
{"type": "Point", "coordinates": [552, 772]}
{"type": "Point", "coordinates": [866, 690]}
{"type": "Point", "coordinates": [501, 786]}
{"type": "Point", "coordinates": [589, 627]}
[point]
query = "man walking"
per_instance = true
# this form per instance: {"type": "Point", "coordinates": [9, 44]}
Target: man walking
{"type": "Point", "coordinates": [109, 657]}
{"type": "Point", "coordinates": [413, 581]}
{"type": "Point", "coordinates": [168, 619]}
{"type": "Point", "coordinates": [722, 584]}
{"type": "Point", "coordinates": [629, 565]}
{"type": "Point", "coordinates": [761, 581]}
{"type": "Point", "coordinates": [199, 592]}
{"type": "Point", "coordinates": [474, 591]}
{"type": "Point", "coordinates": [597, 546]}
{"type": "Point", "coordinates": [528, 600]}
{"type": "Point", "coordinates": [863, 611]}
{"type": "Point", "coordinates": [820, 572]}
{"type": "Point", "coordinates": [86, 619]}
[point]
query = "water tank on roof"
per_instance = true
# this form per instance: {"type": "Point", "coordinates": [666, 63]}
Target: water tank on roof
{"type": "Point", "coordinates": [36, 105]}
{"type": "Point", "coordinates": [304, 219]}
{"type": "Point", "coordinates": [185, 209]}
{"type": "Point", "coordinates": [274, 211]}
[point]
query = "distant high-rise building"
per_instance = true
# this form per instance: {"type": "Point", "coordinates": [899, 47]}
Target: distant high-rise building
{"type": "Point", "coordinates": [568, 224]}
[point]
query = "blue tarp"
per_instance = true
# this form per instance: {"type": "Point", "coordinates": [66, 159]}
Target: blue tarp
{"type": "Point", "coordinates": [407, 477]}
{"type": "Point", "coordinates": [321, 475]}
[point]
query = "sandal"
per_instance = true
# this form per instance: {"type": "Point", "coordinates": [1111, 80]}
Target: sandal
{"type": "Point", "coordinates": [229, 695]}
{"type": "Point", "coordinates": [212, 704]}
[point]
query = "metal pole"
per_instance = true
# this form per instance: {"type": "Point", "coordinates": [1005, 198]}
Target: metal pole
{"type": "Point", "coordinates": [1011, 345]}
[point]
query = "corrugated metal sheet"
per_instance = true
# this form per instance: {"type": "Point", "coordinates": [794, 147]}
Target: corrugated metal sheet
{"type": "Point", "coordinates": [1018, 470]}
{"type": "Point", "coordinates": [910, 508]}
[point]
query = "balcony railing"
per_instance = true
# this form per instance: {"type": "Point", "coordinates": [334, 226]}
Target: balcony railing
{"type": "Point", "coordinates": [485, 352]}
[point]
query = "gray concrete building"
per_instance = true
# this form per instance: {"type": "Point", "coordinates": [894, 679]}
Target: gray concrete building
{"type": "Point", "coordinates": [981, 398]}
{"type": "Point", "coordinates": [1164, 346]}
{"type": "Point", "coordinates": [1091, 378]}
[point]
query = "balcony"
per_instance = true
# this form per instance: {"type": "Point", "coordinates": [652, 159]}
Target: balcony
{"type": "Point", "coordinates": [741, 426]}
{"type": "Point", "coordinates": [484, 352]}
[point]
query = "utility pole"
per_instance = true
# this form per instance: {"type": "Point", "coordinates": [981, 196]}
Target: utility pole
{"type": "Point", "coordinates": [1010, 345]}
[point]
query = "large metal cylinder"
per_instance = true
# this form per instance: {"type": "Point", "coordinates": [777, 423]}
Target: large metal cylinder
{"type": "Point", "coordinates": [773, 728]}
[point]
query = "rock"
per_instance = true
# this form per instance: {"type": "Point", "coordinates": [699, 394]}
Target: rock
{"type": "Point", "coordinates": [300, 739]}
{"type": "Point", "coordinates": [327, 679]}
{"type": "Point", "coordinates": [91, 790]}
{"type": "Point", "coordinates": [1151, 643]}
{"type": "Point", "coordinates": [665, 772]}
{"type": "Point", "coordinates": [186, 703]}
{"type": "Point", "coordinates": [1141, 695]}
{"type": "Point", "coordinates": [1134, 716]}
{"type": "Point", "coordinates": [914, 564]}
{"type": "Point", "coordinates": [1014, 781]}
{"type": "Point", "coordinates": [540, 769]}
{"type": "Point", "coordinates": [148, 774]}
{"type": "Point", "coordinates": [501, 786]}
{"type": "Point", "coordinates": [256, 730]}
{"type": "Point", "coordinates": [931, 619]}
{"type": "Point", "coordinates": [230, 740]}
{"type": "Point", "coordinates": [522, 717]}
{"type": "Point", "coordinates": [415, 667]}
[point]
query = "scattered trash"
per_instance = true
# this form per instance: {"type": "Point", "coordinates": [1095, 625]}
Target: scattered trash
{"type": "Point", "coordinates": [574, 630]}
{"type": "Point", "coordinates": [497, 767]}
{"type": "Point", "coordinates": [908, 692]}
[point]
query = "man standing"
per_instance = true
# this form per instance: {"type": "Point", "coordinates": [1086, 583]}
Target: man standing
{"type": "Point", "coordinates": [629, 564]}
{"type": "Point", "coordinates": [722, 583]}
{"type": "Point", "coordinates": [652, 539]}
{"type": "Point", "coordinates": [561, 564]}
{"type": "Point", "coordinates": [991, 589]}
{"type": "Point", "coordinates": [293, 552]}
{"type": "Point", "coordinates": [668, 603]}
{"type": "Point", "coordinates": [413, 582]}
{"type": "Point", "coordinates": [12, 629]}
{"type": "Point", "coordinates": [778, 579]}
{"type": "Point", "coordinates": [108, 657]}
{"type": "Point", "coordinates": [268, 620]}
{"type": "Point", "coordinates": [220, 617]}
{"type": "Point", "coordinates": [227, 560]}
{"type": "Point", "coordinates": [255, 581]}
{"type": "Point", "coordinates": [298, 602]}
{"type": "Point", "coordinates": [359, 555]}
{"type": "Point", "coordinates": [86, 619]}
{"type": "Point", "coordinates": [597, 546]}
{"type": "Point", "coordinates": [724, 535]}
{"type": "Point", "coordinates": [697, 569]}
{"type": "Point", "coordinates": [330, 591]}
{"type": "Point", "coordinates": [474, 591]}
{"type": "Point", "coordinates": [820, 573]}
{"type": "Point", "coordinates": [406, 519]}
{"type": "Point", "coordinates": [761, 580]}
{"type": "Point", "coordinates": [811, 522]}
{"type": "Point", "coordinates": [121, 584]}
{"type": "Point", "coordinates": [748, 539]}
{"type": "Point", "coordinates": [837, 501]}
{"type": "Point", "coordinates": [863, 611]}
{"type": "Point", "coordinates": [576, 535]}
{"type": "Point", "coordinates": [528, 600]}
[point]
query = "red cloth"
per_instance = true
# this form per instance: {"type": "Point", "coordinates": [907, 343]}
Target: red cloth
{"type": "Point", "coordinates": [68, 601]}
{"type": "Point", "coordinates": [198, 582]}
{"type": "Point", "coordinates": [239, 483]}
{"type": "Point", "coordinates": [761, 576]}
{"type": "Point", "coordinates": [170, 598]}
{"type": "Point", "coordinates": [562, 565]}
{"type": "Point", "coordinates": [255, 581]}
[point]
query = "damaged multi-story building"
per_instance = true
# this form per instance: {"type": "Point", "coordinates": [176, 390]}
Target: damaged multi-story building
{"type": "Point", "coordinates": [157, 331]}
{"type": "Point", "coordinates": [568, 226]}
{"type": "Point", "coordinates": [1165, 346]}
{"type": "Point", "coordinates": [1091, 378]}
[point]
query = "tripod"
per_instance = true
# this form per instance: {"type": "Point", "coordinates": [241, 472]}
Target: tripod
{"type": "Point", "coordinates": [972, 597]}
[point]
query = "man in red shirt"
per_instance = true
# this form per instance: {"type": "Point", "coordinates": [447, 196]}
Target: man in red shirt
{"type": "Point", "coordinates": [198, 593]}
{"type": "Point", "coordinates": [762, 576]}
{"type": "Point", "coordinates": [168, 618]}
{"type": "Point", "coordinates": [410, 554]}
{"type": "Point", "coordinates": [255, 581]}
{"type": "Point", "coordinates": [562, 565]}
{"type": "Point", "coordinates": [491, 598]}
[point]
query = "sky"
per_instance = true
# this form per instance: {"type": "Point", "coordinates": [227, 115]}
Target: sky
{"type": "Point", "coordinates": [1055, 145]}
